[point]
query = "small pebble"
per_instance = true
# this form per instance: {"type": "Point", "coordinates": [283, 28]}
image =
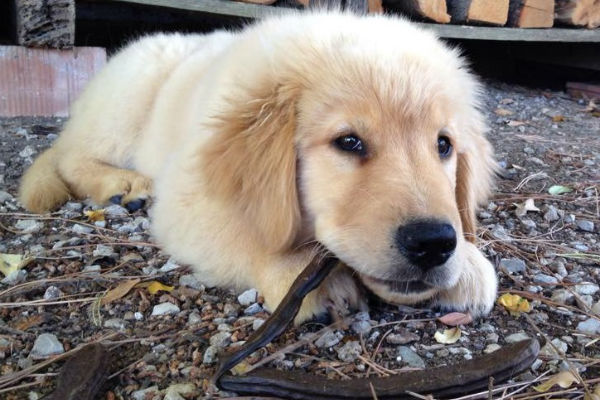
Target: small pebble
{"type": "Point", "coordinates": [165, 308]}
{"type": "Point", "coordinates": [585, 225]}
{"type": "Point", "coordinates": [220, 339]}
{"type": "Point", "coordinates": [28, 226]}
{"type": "Point", "coordinates": [590, 325]}
{"type": "Point", "coordinates": [103, 250]}
{"type": "Point", "coordinates": [586, 288]}
{"type": "Point", "coordinates": [513, 265]}
{"type": "Point", "coordinates": [190, 280]}
{"type": "Point", "coordinates": [490, 348]}
{"type": "Point", "coordinates": [349, 351]}
{"type": "Point", "coordinates": [82, 229]}
{"type": "Point", "coordinates": [406, 355]}
{"type": "Point", "coordinates": [169, 266]}
{"type": "Point", "coordinates": [361, 323]}
{"type": "Point", "coordinates": [516, 337]}
{"type": "Point", "coordinates": [115, 323]}
{"type": "Point", "coordinates": [402, 338]}
{"type": "Point", "coordinates": [46, 345]}
{"type": "Point", "coordinates": [145, 394]}
{"type": "Point", "coordinates": [545, 279]}
{"type": "Point", "coordinates": [257, 323]}
{"type": "Point", "coordinates": [551, 214]}
{"type": "Point", "coordinates": [248, 297]}
{"type": "Point", "coordinates": [253, 309]}
{"type": "Point", "coordinates": [329, 339]}
{"type": "Point", "coordinates": [52, 293]}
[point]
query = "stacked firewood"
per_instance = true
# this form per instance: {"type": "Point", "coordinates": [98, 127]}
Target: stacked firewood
{"type": "Point", "coordinates": [512, 13]}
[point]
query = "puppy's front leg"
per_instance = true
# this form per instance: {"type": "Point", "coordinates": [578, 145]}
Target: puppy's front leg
{"type": "Point", "coordinates": [338, 293]}
{"type": "Point", "coordinates": [477, 286]}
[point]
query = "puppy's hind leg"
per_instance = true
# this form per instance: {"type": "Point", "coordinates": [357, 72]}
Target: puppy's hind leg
{"type": "Point", "coordinates": [105, 183]}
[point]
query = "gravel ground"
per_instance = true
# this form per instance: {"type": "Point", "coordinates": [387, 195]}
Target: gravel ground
{"type": "Point", "coordinates": [98, 276]}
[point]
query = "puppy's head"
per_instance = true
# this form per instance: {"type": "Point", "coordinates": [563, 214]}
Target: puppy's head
{"type": "Point", "coordinates": [363, 135]}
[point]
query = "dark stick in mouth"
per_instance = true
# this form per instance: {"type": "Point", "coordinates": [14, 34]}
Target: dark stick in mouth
{"type": "Point", "coordinates": [310, 278]}
{"type": "Point", "coordinates": [441, 382]}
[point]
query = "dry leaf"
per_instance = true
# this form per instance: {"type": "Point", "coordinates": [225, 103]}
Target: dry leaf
{"type": "Point", "coordinates": [528, 205]}
{"type": "Point", "coordinates": [155, 287]}
{"type": "Point", "coordinates": [241, 368]}
{"type": "Point", "coordinates": [503, 112]}
{"type": "Point", "coordinates": [516, 123]}
{"type": "Point", "coordinates": [595, 395]}
{"type": "Point", "coordinates": [28, 322]}
{"type": "Point", "coordinates": [514, 303]}
{"type": "Point", "coordinates": [456, 318]}
{"type": "Point", "coordinates": [563, 379]}
{"type": "Point", "coordinates": [449, 336]}
{"type": "Point", "coordinates": [507, 101]}
{"type": "Point", "coordinates": [558, 118]}
{"type": "Point", "coordinates": [95, 215]}
{"type": "Point", "coordinates": [121, 290]}
{"type": "Point", "coordinates": [10, 263]}
{"type": "Point", "coordinates": [559, 189]}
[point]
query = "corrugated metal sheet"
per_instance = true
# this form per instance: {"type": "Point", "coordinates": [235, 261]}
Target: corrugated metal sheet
{"type": "Point", "coordinates": [44, 82]}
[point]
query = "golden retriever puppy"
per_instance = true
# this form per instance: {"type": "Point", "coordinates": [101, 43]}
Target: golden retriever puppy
{"type": "Point", "coordinates": [360, 135]}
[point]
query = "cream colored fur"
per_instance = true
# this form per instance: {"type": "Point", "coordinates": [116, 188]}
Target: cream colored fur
{"type": "Point", "coordinates": [232, 132]}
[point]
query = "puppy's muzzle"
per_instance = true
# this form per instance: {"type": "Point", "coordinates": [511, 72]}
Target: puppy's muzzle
{"type": "Point", "coordinates": [426, 244]}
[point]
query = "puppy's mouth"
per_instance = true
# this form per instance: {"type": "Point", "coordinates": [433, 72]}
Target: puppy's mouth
{"type": "Point", "coordinates": [405, 287]}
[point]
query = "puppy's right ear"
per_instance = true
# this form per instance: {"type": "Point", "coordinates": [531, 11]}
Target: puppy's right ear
{"type": "Point", "coordinates": [250, 162]}
{"type": "Point", "coordinates": [474, 176]}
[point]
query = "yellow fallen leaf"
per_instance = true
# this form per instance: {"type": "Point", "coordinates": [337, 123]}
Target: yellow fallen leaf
{"type": "Point", "coordinates": [241, 369]}
{"type": "Point", "coordinates": [94, 215]}
{"type": "Point", "coordinates": [155, 287]}
{"type": "Point", "coordinates": [119, 291]}
{"type": "Point", "coordinates": [449, 336]}
{"type": "Point", "coordinates": [558, 118]}
{"type": "Point", "coordinates": [10, 263]}
{"type": "Point", "coordinates": [514, 304]}
{"type": "Point", "coordinates": [563, 379]}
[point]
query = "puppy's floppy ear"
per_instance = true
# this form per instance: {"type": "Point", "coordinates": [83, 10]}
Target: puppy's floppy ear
{"type": "Point", "coordinates": [250, 162]}
{"type": "Point", "coordinates": [475, 169]}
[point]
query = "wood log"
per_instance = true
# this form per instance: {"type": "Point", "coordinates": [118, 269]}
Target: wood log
{"type": "Point", "coordinates": [49, 23]}
{"type": "Point", "coordinates": [434, 10]}
{"type": "Point", "coordinates": [486, 12]}
{"type": "Point", "coordinates": [531, 13]}
{"type": "Point", "coordinates": [578, 12]}
{"type": "Point", "coordinates": [375, 6]}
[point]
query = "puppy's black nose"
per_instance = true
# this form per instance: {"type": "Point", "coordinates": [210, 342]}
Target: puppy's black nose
{"type": "Point", "coordinates": [426, 244]}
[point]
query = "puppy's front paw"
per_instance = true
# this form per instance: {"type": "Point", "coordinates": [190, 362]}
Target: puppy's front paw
{"type": "Point", "coordinates": [338, 294]}
{"type": "Point", "coordinates": [477, 286]}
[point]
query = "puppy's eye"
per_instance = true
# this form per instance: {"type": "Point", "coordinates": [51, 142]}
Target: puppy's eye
{"type": "Point", "coordinates": [444, 147]}
{"type": "Point", "coordinates": [352, 144]}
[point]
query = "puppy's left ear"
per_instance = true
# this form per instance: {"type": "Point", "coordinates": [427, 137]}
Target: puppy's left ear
{"type": "Point", "coordinates": [250, 162]}
{"type": "Point", "coordinates": [475, 170]}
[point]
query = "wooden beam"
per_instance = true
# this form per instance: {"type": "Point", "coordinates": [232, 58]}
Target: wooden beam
{"type": "Point", "coordinates": [433, 10]}
{"type": "Point", "coordinates": [578, 12]}
{"type": "Point", "coordinates": [49, 23]}
{"type": "Point", "coordinates": [245, 10]}
{"type": "Point", "coordinates": [531, 13]}
{"type": "Point", "coordinates": [487, 12]}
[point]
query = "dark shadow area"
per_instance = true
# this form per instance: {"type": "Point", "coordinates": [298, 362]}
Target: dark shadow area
{"type": "Point", "coordinates": [534, 64]}
{"type": "Point", "coordinates": [7, 22]}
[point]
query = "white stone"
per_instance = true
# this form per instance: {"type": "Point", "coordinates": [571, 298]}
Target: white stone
{"type": "Point", "coordinates": [46, 345]}
{"type": "Point", "coordinates": [248, 297]}
{"type": "Point", "coordinates": [164, 309]}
